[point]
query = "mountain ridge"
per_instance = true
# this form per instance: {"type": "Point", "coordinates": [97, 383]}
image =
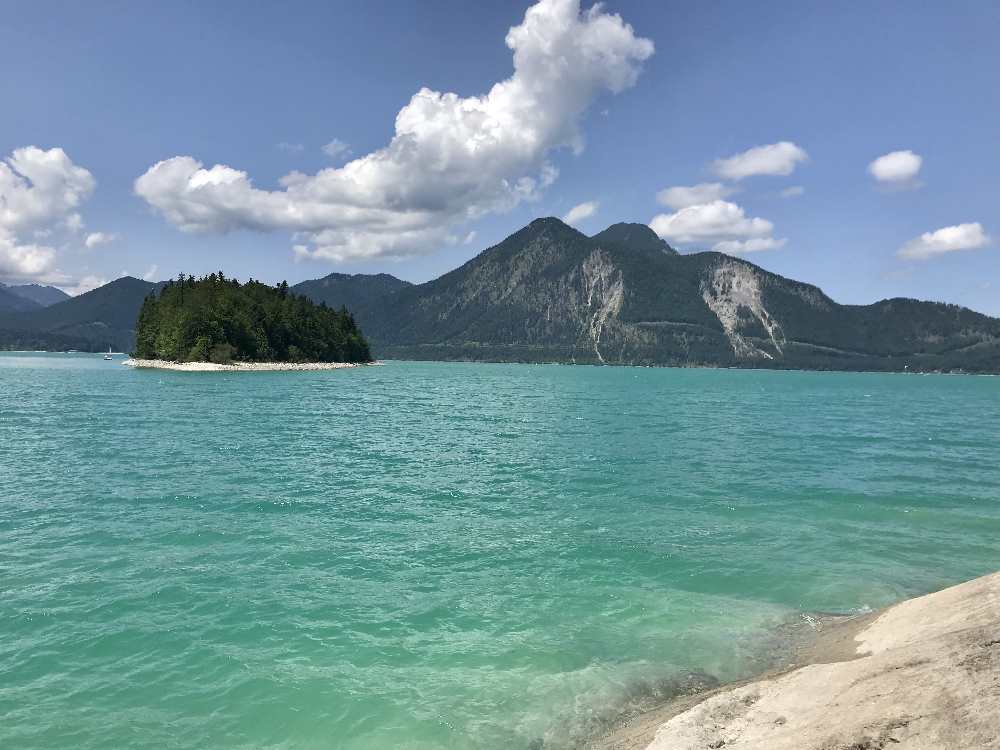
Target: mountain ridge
{"type": "Point", "coordinates": [349, 290]}
{"type": "Point", "coordinates": [101, 318]}
{"type": "Point", "coordinates": [549, 293]}
{"type": "Point", "coordinates": [11, 302]}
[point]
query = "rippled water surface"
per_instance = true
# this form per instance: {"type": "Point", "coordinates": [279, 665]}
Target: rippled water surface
{"type": "Point", "coordinates": [431, 555]}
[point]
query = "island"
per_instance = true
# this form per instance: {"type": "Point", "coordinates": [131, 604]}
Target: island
{"type": "Point", "coordinates": [216, 323]}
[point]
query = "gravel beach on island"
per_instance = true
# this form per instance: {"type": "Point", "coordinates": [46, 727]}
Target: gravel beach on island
{"type": "Point", "coordinates": [922, 674]}
{"type": "Point", "coordinates": [160, 364]}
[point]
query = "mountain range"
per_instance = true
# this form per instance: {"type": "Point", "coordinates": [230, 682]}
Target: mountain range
{"type": "Point", "coordinates": [104, 317]}
{"type": "Point", "coordinates": [549, 293]}
{"type": "Point", "coordinates": [26, 297]}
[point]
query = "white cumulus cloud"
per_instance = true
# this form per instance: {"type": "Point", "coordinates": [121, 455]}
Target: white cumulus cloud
{"type": "Point", "coordinates": [896, 168]}
{"type": "Point", "coordinates": [99, 238]}
{"type": "Point", "coordinates": [151, 272]}
{"type": "Point", "coordinates": [581, 211]}
{"type": "Point", "coordinates": [40, 192]}
{"type": "Point", "coordinates": [681, 197]}
{"type": "Point", "coordinates": [945, 240]}
{"type": "Point", "coordinates": [721, 224]}
{"type": "Point", "coordinates": [24, 261]}
{"type": "Point", "coordinates": [718, 220]}
{"type": "Point", "coordinates": [452, 158]}
{"type": "Point", "coordinates": [776, 159]}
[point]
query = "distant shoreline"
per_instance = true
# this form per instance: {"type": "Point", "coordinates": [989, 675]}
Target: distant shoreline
{"type": "Point", "coordinates": [162, 364]}
{"type": "Point", "coordinates": [892, 676]}
{"type": "Point", "coordinates": [266, 366]}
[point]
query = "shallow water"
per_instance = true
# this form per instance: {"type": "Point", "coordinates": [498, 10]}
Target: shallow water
{"type": "Point", "coordinates": [429, 555]}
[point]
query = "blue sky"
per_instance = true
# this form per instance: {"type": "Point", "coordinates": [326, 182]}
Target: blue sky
{"type": "Point", "coordinates": [121, 87]}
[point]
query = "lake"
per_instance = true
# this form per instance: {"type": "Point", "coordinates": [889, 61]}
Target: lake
{"type": "Point", "coordinates": [451, 555]}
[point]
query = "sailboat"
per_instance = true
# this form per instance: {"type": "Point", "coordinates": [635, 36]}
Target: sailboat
{"type": "Point", "coordinates": [107, 356]}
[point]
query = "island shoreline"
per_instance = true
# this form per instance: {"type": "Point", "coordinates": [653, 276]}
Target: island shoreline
{"type": "Point", "coordinates": [161, 364]}
{"type": "Point", "coordinates": [553, 363]}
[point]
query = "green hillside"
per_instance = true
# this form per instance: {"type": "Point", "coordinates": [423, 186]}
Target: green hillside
{"type": "Point", "coordinates": [350, 290]}
{"type": "Point", "coordinates": [94, 321]}
{"type": "Point", "coordinates": [550, 293]}
{"type": "Point", "coordinates": [40, 294]}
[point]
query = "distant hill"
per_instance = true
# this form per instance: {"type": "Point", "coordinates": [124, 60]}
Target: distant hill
{"type": "Point", "coordinates": [94, 321]}
{"type": "Point", "coordinates": [11, 301]}
{"type": "Point", "coordinates": [633, 238]}
{"type": "Point", "coordinates": [350, 290]}
{"type": "Point", "coordinates": [548, 293]}
{"type": "Point", "coordinates": [40, 294]}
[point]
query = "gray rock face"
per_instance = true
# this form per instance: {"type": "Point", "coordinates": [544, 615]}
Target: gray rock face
{"type": "Point", "coordinates": [926, 676]}
{"type": "Point", "coordinates": [623, 296]}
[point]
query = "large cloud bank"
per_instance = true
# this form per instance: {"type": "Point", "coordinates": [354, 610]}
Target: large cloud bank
{"type": "Point", "coordinates": [40, 194]}
{"type": "Point", "coordinates": [451, 159]}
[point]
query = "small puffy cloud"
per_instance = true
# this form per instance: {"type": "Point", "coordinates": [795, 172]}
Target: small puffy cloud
{"type": "Point", "coordinates": [776, 159]}
{"type": "Point", "coordinates": [896, 168]}
{"type": "Point", "coordinates": [336, 148]}
{"type": "Point", "coordinates": [99, 238]}
{"type": "Point", "coordinates": [945, 240]}
{"type": "Point", "coordinates": [756, 245]}
{"type": "Point", "coordinates": [151, 272]}
{"type": "Point", "coordinates": [290, 148]}
{"type": "Point", "coordinates": [469, 238]}
{"type": "Point", "coordinates": [720, 223]}
{"type": "Point", "coordinates": [682, 197]}
{"type": "Point", "coordinates": [793, 192]}
{"type": "Point", "coordinates": [40, 194]}
{"type": "Point", "coordinates": [451, 159]}
{"type": "Point", "coordinates": [718, 220]}
{"type": "Point", "coordinates": [581, 211]}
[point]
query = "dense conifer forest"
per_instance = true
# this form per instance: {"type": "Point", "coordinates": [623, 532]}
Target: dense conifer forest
{"type": "Point", "coordinates": [215, 319]}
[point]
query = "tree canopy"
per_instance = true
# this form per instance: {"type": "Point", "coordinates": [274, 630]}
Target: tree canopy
{"type": "Point", "coordinates": [215, 319]}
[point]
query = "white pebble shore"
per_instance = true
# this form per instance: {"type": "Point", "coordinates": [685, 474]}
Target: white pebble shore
{"type": "Point", "coordinates": [162, 364]}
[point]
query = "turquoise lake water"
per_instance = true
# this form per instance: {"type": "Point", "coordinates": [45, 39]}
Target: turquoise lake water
{"type": "Point", "coordinates": [426, 555]}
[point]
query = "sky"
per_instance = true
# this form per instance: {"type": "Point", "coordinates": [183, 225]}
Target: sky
{"type": "Point", "coordinates": [849, 145]}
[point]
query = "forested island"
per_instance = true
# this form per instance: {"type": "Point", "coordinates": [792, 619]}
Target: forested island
{"type": "Point", "coordinates": [220, 320]}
